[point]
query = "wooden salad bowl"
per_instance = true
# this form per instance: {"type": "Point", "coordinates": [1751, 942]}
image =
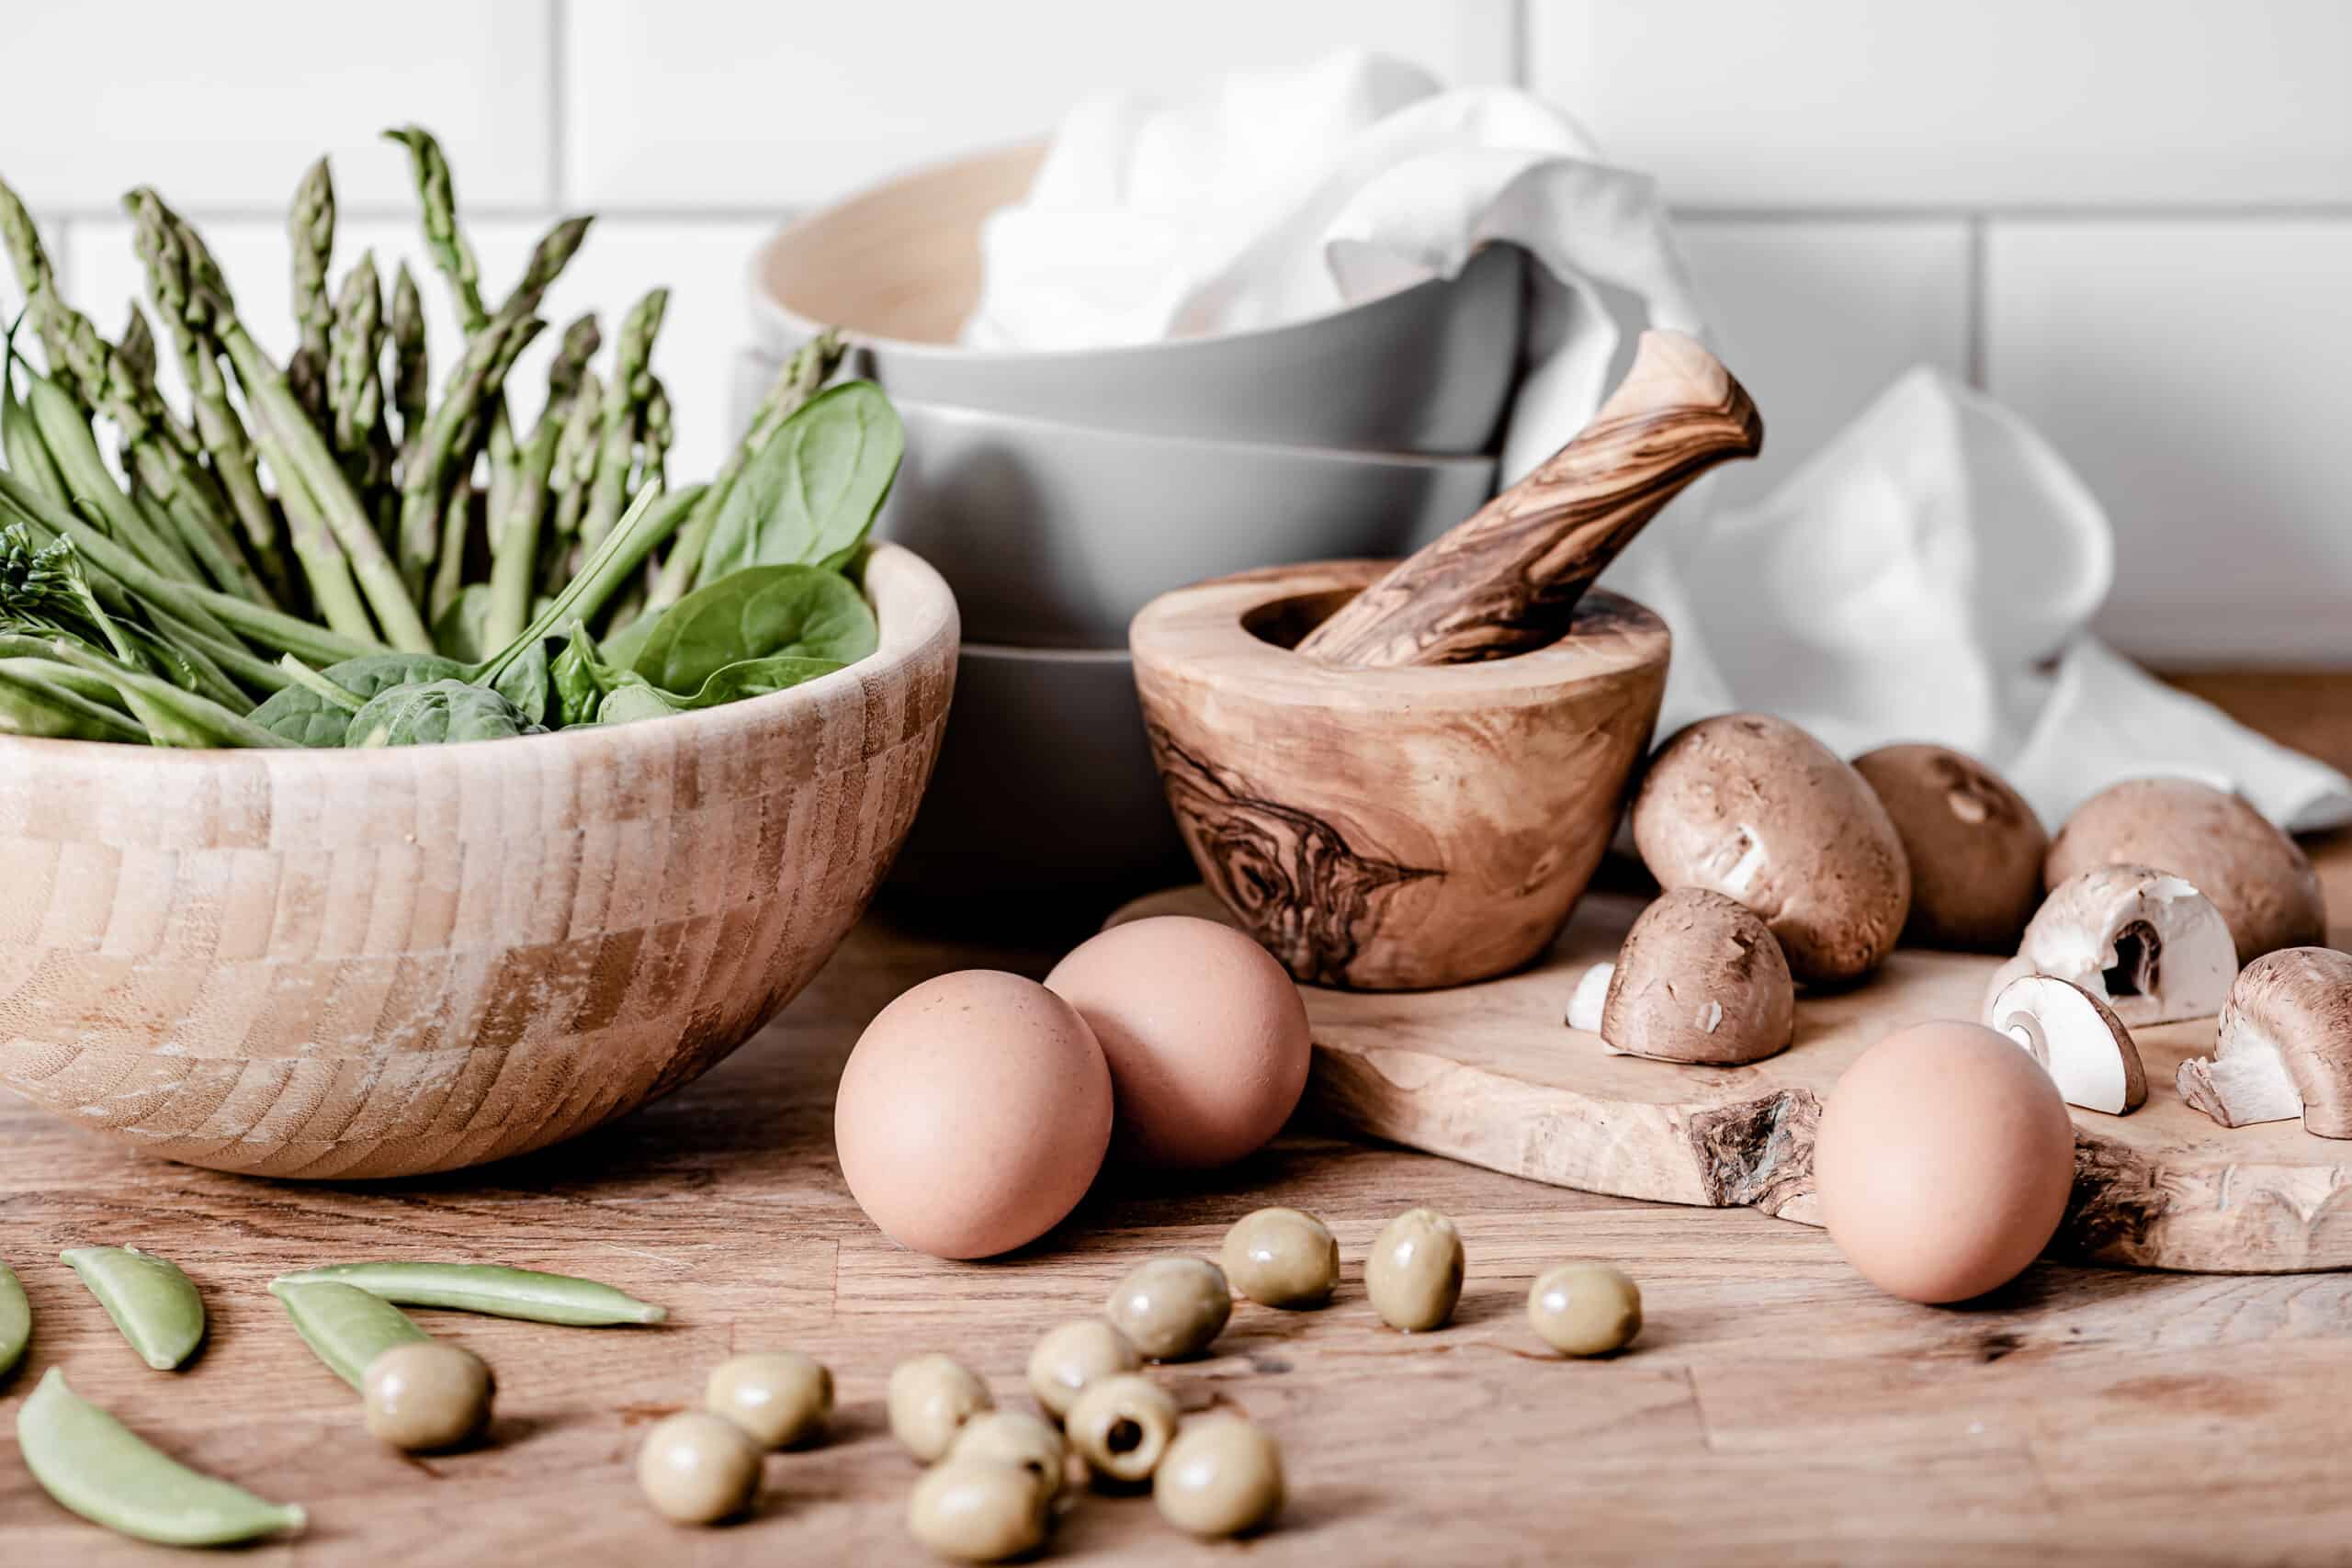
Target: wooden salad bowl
{"type": "Point", "coordinates": [376, 963]}
{"type": "Point", "coordinates": [1392, 829]}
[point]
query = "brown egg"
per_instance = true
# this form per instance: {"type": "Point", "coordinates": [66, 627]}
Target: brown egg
{"type": "Point", "coordinates": [1943, 1162]}
{"type": "Point", "coordinates": [973, 1115]}
{"type": "Point", "coordinates": [1206, 1034]}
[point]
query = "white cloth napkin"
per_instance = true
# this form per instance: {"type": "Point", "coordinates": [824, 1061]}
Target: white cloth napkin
{"type": "Point", "coordinates": [1926, 576]}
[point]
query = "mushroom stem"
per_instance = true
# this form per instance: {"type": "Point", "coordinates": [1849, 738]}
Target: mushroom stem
{"type": "Point", "coordinates": [1590, 997]}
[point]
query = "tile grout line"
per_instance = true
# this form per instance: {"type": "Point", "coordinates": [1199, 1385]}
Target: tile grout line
{"type": "Point", "coordinates": [1521, 69]}
{"type": "Point", "coordinates": [559, 106]}
{"type": "Point", "coordinates": [1975, 326]}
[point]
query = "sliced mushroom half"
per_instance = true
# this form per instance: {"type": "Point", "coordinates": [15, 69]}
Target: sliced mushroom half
{"type": "Point", "coordinates": [1700, 978]}
{"type": "Point", "coordinates": [2147, 944]}
{"type": "Point", "coordinates": [2284, 1048]}
{"type": "Point", "coordinates": [2077, 1039]}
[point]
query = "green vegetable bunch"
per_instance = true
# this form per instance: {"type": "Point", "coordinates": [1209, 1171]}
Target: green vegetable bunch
{"type": "Point", "coordinates": [332, 552]}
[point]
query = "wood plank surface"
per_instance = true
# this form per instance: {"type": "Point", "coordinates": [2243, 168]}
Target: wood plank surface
{"type": "Point", "coordinates": [1776, 1409]}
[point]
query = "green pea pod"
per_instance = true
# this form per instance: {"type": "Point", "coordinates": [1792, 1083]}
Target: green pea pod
{"type": "Point", "coordinates": [97, 1467]}
{"type": "Point", "coordinates": [16, 1321]}
{"type": "Point", "coordinates": [155, 1305]}
{"type": "Point", "coordinates": [490, 1289]}
{"type": "Point", "coordinates": [344, 1326]}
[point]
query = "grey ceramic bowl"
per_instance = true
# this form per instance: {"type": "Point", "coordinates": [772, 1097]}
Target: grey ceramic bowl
{"type": "Point", "coordinates": [1053, 536]}
{"type": "Point", "coordinates": [1045, 785]}
{"type": "Point", "coordinates": [1429, 368]}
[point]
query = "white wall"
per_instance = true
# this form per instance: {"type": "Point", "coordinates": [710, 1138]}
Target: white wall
{"type": "Point", "coordinates": [2132, 218]}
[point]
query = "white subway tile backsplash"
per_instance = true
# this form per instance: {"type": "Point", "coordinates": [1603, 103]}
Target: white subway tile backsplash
{"type": "Point", "coordinates": [1868, 102]}
{"type": "Point", "coordinates": [701, 263]}
{"type": "Point", "coordinates": [1816, 319]}
{"type": "Point", "coordinates": [225, 106]}
{"type": "Point", "coordinates": [2193, 372]}
{"type": "Point", "coordinates": [748, 104]}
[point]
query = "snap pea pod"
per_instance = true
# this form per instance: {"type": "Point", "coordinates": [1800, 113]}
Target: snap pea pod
{"type": "Point", "coordinates": [155, 1305]}
{"type": "Point", "coordinates": [16, 1321]}
{"type": "Point", "coordinates": [490, 1289]}
{"type": "Point", "coordinates": [344, 1326]}
{"type": "Point", "coordinates": [97, 1467]}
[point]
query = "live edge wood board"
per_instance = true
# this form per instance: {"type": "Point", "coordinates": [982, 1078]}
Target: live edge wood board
{"type": "Point", "coordinates": [1490, 1074]}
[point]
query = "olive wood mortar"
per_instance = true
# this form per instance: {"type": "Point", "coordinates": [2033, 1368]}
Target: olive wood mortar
{"type": "Point", "coordinates": [374, 964]}
{"type": "Point", "coordinates": [1391, 828]}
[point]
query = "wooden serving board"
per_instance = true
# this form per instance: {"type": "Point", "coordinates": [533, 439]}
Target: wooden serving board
{"type": "Point", "coordinates": [1492, 1075]}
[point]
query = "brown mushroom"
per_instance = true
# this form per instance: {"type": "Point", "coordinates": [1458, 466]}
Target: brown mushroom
{"type": "Point", "coordinates": [1752, 807]}
{"type": "Point", "coordinates": [2284, 1048]}
{"type": "Point", "coordinates": [1974, 844]}
{"type": "Point", "coordinates": [1699, 979]}
{"type": "Point", "coordinates": [2077, 1038]}
{"type": "Point", "coordinates": [2147, 944]}
{"type": "Point", "coordinates": [2255, 875]}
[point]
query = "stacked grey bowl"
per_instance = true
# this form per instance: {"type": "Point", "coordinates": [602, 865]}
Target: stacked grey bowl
{"type": "Point", "coordinates": [1059, 491]}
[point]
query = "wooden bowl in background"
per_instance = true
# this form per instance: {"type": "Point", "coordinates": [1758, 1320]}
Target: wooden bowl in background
{"type": "Point", "coordinates": [1391, 828]}
{"type": "Point", "coordinates": [373, 963]}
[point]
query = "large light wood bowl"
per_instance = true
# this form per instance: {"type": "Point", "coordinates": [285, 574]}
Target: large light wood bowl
{"type": "Point", "coordinates": [1398, 829]}
{"type": "Point", "coordinates": [371, 963]}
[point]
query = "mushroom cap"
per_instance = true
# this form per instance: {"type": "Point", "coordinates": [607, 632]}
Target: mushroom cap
{"type": "Point", "coordinates": [1699, 979]}
{"type": "Point", "coordinates": [2146, 944]}
{"type": "Point", "coordinates": [1752, 807]}
{"type": "Point", "coordinates": [2256, 876]}
{"type": "Point", "coordinates": [2298, 1001]}
{"type": "Point", "coordinates": [2077, 1038]}
{"type": "Point", "coordinates": [1974, 844]}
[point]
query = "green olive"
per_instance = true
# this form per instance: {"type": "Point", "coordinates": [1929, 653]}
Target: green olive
{"type": "Point", "coordinates": [1121, 1425]}
{"type": "Point", "coordinates": [1221, 1476]}
{"type": "Point", "coordinates": [1171, 1307]}
{"type": "Point", "coordinates": [428, 1394]}
{"type": "Point", "coordinates": [931, 1398]}
{"type": "Point", "coordinates": [1585, 1309]}
{"type": "Point", "coordinates": [780, 1398]}
{"type": "Point", "coordinates": [1025, 1442]}
{"type": "Point", "coordinates": [697, 1468]}
{"type": "Point", "coordinates": [1413, 1273]}
{"type": "Point", "coordinates": [1068, 1358]}
{"type": "Point", "coordinates": [978, 1511]}
{"type": "Point", "coordinates": [1282, 1257]}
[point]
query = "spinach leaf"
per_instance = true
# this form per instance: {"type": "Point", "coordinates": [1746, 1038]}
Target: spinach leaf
{"type": "Point", "coordinates": [583, 677]}
{"type": "Point", "coordinates": [627, 704]}
{"type": "Point", "coordinates": [808, 497]}
{"type": "Point", "coordinates": [458, 632]}
{"type": "Point", "coordinates": [527, 682]}
{"type": "Point", "coordinates": [437, 713]}
{"type": "Point", "coordinates": [756, 678]}
{"type": "Point", "coordinates": [760, 613]}
{"type": "Point", "coordinates": [307, 718]}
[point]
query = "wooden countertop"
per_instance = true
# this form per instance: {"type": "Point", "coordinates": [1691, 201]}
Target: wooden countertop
{"type": "Point", "coordinates": [1775, 1410]}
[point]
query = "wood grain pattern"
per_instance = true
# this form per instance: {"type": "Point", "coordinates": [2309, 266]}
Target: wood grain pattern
{"type": "Point", "coordinates": [1508, 579]}
{"type": "Point", "coordinates": [1492, 1075]}
{"type": "Point", "coordinates": [366, 963]}
{"type": "Point", "coordinates": [1776, 1409]}
{"type": "Point", "coordinates": [1390, 829]}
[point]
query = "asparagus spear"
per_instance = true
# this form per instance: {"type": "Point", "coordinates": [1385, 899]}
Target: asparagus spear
{"type": "Point", "coordinates": [39, 280]}
{"type": "Point", "coordinates": [575, 467]}
{"type": "Point", "coordinates": [318, 499]}
{"type": "Point", "coordinates": [437, 198]}
{"type": "Point", "coordinates": [412, 384]}
{"type": "Point", "coordinates": [432, 461]}
{"type": "Point", "coordinates": [137, 347]}
{"type": "Point", "coordinates": [311, 229]}
{"type": "Point", "coordinates": [21, 442]}
{"type": "Point", "coordinates": [74, 450]}
{"type": "Point", "coordinates": [516, 516]}
{"type": "Point", "coordinates": [653, 463]}
{"type": "Point", "coordinates": [807, 370]}
{"type": "Point", "coordinates": [172, 263]}
{"type": "Point", "coordinates": [630, 390]}
{"type": "Point", "coordinates": [355, 384]}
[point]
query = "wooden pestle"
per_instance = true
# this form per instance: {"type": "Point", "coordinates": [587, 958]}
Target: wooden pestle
{"type": "Point", "coordinates": [1508, 580]}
